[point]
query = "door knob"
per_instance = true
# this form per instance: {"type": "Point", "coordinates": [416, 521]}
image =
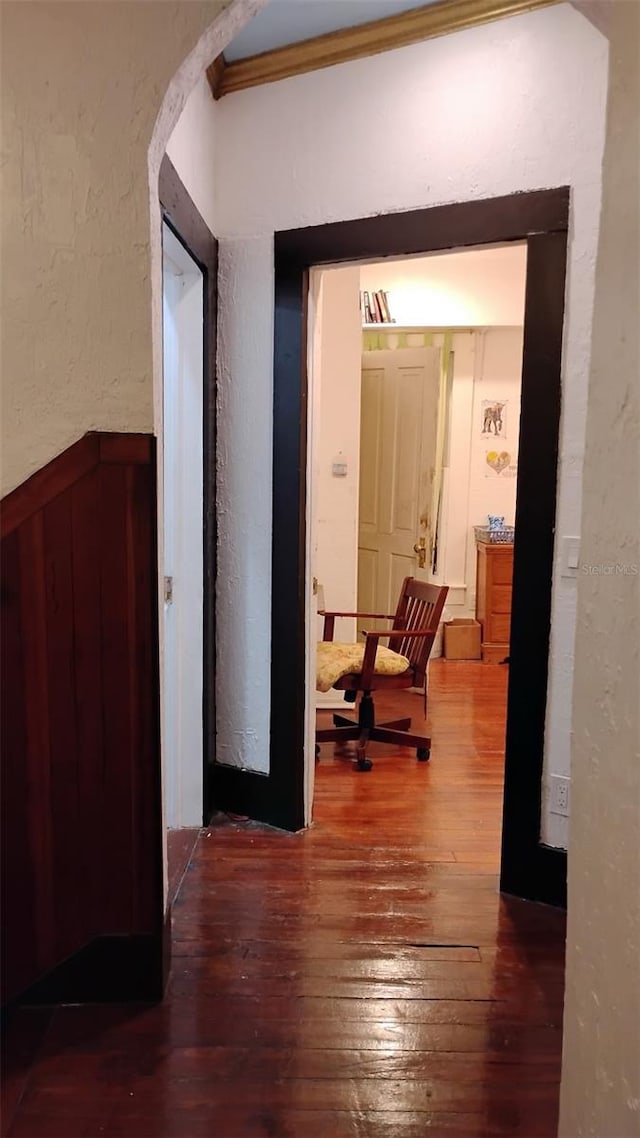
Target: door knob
{"type": "Point", "coordinates": [421, 549]}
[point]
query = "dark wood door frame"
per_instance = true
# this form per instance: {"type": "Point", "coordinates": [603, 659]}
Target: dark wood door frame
{"type": "Point", "coordinates": [541, 218]}
{"type": "Point", "coordinates": [183, 218]}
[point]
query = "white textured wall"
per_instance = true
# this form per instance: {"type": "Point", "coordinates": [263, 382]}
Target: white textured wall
{"type": "Point", "coordinates": [82, 86]}
{"type": "Point", "coordinates": [192, 149]}
{"type": "Point", "coordinates": [245, 433]}
{"type": "Point", "coordinates": [601, 1065]}
{"type": "Point", "coordinates": [513, 105]}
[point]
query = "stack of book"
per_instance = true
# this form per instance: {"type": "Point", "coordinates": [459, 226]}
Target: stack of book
{"type": "Point", "coordinates": [375, 308]}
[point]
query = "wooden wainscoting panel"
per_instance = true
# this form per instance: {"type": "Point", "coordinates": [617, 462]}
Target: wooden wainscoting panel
{"type": "Point", "coordinates": [117, 650]}
{"type": "Point", "coordinates": [49, 481]}
{"type": "Point", "coordinates": [146, 798]}
{"type": "Point", "coordinates": [37, 820]}
{"type": "Point", "coordinates": [64, 808]}
{"type": "Point", "coordinates": [85, 502]}
{"type": "Point", "coordinates": [129, 449]}
{"type": "Point", "coordinates": [80, 766]}
{"type": "Point", "coordinates": [18, 884]}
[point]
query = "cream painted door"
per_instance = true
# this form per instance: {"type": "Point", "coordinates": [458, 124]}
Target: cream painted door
{"type": "Point", "coordinates": [398, 428]}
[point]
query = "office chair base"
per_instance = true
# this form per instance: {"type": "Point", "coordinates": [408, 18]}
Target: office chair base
{"type": "Point", "coordinates": [395, 731]}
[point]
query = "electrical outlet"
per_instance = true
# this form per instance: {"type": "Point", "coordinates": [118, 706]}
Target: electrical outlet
{"type": "Point", "coordinates": [560, 795]}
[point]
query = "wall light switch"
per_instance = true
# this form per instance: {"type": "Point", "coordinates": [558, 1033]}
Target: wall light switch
{"type": "Point", "coordinates": [339, 467]}
{"type": "Point", "coordinates": [570, 549]}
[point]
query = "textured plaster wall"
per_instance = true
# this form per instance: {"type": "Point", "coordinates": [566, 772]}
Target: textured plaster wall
{"type": "Point", "coordinates": [601, 1066]}
{"type": "Point", "coordinates": [82, 87]}
{"type": "Point", "coordinates": [192, 148]}
{"type": "Point", "coordinates": [245, 438]}
{"type": "Point", "coordinates": [514, 105]}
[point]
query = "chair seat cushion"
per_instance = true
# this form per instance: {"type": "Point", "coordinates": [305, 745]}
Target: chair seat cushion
{"type": "Point", "coordinates": [334, 660]}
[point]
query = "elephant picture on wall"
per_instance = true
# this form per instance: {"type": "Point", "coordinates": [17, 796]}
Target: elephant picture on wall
{"type": "Point", "coordinates": [494, 418]}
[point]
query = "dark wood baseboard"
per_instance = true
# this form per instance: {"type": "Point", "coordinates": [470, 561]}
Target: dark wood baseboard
{"type": "Point", "coordinates": [237, 791]}
{"type": "Point", "coordinates": [539, 877]}
{"type": "Point", "coordinates": [111, 969]}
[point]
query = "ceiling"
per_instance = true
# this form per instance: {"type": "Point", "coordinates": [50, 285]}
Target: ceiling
{"type": "Point", "coordinates": [292, 37]}
{"type": "Point", "coordinates": [293, 21]}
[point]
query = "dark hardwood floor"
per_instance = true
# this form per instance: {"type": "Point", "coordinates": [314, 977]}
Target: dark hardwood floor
{"type": "Point", "coordinates": [363, 979]}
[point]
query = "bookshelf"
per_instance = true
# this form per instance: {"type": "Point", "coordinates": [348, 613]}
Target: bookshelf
{"type": "Point", "coordinates": [394, 327]}
{"type": "Point", "coordinates": [420, 328]}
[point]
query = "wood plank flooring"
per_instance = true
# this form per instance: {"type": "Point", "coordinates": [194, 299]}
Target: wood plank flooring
{"type": "Point", "coordinates": [363, 979]}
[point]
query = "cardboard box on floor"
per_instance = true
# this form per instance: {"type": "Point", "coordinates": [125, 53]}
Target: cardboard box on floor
{"type": "Point", "coordinates": [462, 639]}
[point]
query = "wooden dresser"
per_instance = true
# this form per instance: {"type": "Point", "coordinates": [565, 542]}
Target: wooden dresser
{"type": "Point", "coordinates": [494, 574]}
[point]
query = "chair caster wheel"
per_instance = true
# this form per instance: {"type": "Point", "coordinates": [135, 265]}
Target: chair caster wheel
{"type": "Point", "coordinates": [317, 750]}
{"type": "Point", "coordinates": [424, 754]}
{"type": "Point", "coordinates": [364, 764]}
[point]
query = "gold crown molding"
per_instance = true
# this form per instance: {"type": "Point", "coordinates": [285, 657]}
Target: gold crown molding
{"type": "Point", "coordinates": [346, 44]}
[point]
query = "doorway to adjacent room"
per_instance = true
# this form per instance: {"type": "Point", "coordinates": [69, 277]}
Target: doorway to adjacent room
{"type": "Point", "coordinates": [413, 443]}
{"type": "Point", "coordinates": [528, 867]}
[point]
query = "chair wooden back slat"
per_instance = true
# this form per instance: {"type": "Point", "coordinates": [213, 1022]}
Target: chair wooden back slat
{"type": "Point", "coordinates": [419, 609]}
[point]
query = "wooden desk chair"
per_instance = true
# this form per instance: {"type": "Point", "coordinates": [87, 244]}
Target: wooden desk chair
{"type": "Point", "coordinates": [415, 624]}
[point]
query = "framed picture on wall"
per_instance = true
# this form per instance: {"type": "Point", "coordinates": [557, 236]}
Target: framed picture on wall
{"type": "Point", "coordinates": [494, 418]}
{"type": "Point", "coordinates": [499, 463]}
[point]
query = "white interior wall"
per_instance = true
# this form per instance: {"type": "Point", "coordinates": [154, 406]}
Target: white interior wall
{"type": "Point", "coordinates": [338, 426]}
{"type": "Point", "coordinates": [513, 105]}
{"type": "Point", "coordinates": [600, 1093]}
{"type": "Point", "coordinates": [487, 365]}
{"type": "Point", "coordinates": [244, 502]}
{"type": "Point", "coordinates": [498, 378]}
{"type": "Point", "coordinates": [192, 149]}
{"type": "Point", "coordinates": [244, 463]}
{"type": "Point", "coordinates": [469, 288]}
